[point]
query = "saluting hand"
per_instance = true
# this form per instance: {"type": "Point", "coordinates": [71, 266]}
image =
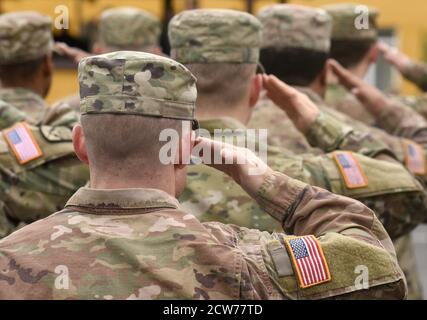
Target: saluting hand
{"type": "Point", "coordinates": [74, 54]}
{"type": "Point", "coordinates": [392, 55]}
{"type": "Point", "coordinates": [299, 108]}
{"type": "Point", "coordinates": [371, 98]}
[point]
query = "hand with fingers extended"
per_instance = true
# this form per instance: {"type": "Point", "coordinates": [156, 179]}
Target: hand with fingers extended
{"type": "Point", "coordinates": [299, 108]}
{"type": "Point", "coordinates": [71, 53]}
{"type": "Point", "coordinates": [395, 57]}
{"type": "Point", "coordinates": [372, 99]}
{"type": "Point", "coordinates": [241, 164]}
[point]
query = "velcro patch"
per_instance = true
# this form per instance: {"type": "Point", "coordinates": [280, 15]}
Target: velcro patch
{"type": "Point", "coordinates": [351, 170]}
{"type": "Point", "coordinates": [414, 157]}
{"type": "Point", "coordinates": [22, 143]}
{"type": "Point", "coordinates": [308, 260]}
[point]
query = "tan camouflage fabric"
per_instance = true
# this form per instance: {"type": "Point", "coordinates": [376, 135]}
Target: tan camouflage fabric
{"type": "Point", "coordinates": [295, 26]}
{"type": "Point", "coordinates": [138, 83]}
{"type": "Point", "coordinates": [34, 190]}
{"type": "Point", "coordinates": [215, 36]}
{"type": "Point", "coordinates": [24, 36]}
{"type": "Point", "coordinates": [353, 21]}
{"type": "Point", "coordinates": [9, 115]}
{"type": "Point", "coordinates": [417, 103]}
{"type": "Point", "coordinates": [212, 196]}
{"type": "Point", "coordinates": [416, 72]}
{"type": "Point", "coordinates": [141, 244]}
{"type": "Point", "coordinates": [129, 28]}
{"type": "Point", "coordinates": [26, 101]}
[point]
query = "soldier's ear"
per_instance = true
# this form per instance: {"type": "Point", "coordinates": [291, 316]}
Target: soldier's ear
{"type": "Point", "coordinates": [256, 86]}
{"type": "Point", "coordinates": [80, 144]}
{"type": "Point", "coordinates": [98, 48]}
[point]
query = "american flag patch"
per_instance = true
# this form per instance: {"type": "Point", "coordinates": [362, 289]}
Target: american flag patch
{"type": "Point", "coordinates": [308, 260]}
{"type": "Point", "coordinates": [22, 142]}
{"type": "Point", "coordinates": [350, 169]}
{"type": "Point", "coordinates": [414, 157]}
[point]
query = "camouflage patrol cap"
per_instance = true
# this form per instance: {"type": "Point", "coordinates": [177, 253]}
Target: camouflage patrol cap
{"type": "Point", "coordinates": [353, 21]}
{"type": "Point", "coordinates": [128, 28]}
{"type": "Point", "coordinates": [24, 36]}
{"type": "Point", "coordinates": [130, 82]}
{"type": "Point", "coordinates": [215, 36]}
{"type": "Point", "coordinates": [295, 26]}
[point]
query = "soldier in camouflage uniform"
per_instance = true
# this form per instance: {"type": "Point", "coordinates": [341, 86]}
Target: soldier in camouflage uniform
{"type": "Point", "coordinates": [127, 237]}
{"type": "Point", "coordinates": [26, 65]}
{"type": "Point", "coordinates": [397, 119]}
{"type": "Point", "coordinates": [225, 102]}
{"type": "Point", "coordinates": [120, 28]}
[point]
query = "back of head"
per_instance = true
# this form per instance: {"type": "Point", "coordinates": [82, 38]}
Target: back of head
{"type": "Point", "coordinates": [127, 99]}
{"type": "Point", "coordinates": [354, 32]}
{"type": "Point", "coordinates": [221, 47]}
{"type": "Point", "coordinates": [25, 40]}
{"type": "Point", "coordinates": [128, 28]}
{"type": "Point", "coordinates": [296, 42]}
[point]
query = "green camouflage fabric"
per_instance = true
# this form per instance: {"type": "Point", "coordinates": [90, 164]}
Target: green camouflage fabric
{"type": "Point", "coordinates": [26, 101]}
{"type": "Point", "coordinates": [417, 103]}
{"type": "Point", "coordinates": [129, 28]}
{"type": "Point", "coordinates": [24, 36]}
{"type": "Point", "coordinates": [138, 83]}
{"type": "Point", "coordinates": [141, 244]}
{"type": "Point", "coordinates": [213, 196]}
{"type": "Point", "coordinates": [353, 21]}
{"type": "Point", "coordinates": [344, 101]}
{"type": "Point", "coordinates": [33, 190]}
{"type": "Point", "coordinates": [295, 26]}
{"type": "Point", "coordinates": [215, 36]}
{"type": "Point", "coordinates": [416, 72]}
{"type": "Point", "coordinates": [9, 115]}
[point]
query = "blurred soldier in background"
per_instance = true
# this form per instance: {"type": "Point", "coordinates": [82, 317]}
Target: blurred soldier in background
{"type": "Point", "coordinates": [225, 101]}
{"type": "Point", "coordinates": [357, 49]}
{"type": "Point", "coordinates": [121, 28]}
{"type": "Point", "coordinates": [141, 244]}
{"type": "Point", "coordinates": [26, 64]}
{"type": "Point", "coordinates": [38, 168]}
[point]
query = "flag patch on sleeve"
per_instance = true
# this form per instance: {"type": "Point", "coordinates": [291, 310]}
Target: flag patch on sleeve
{"type": "Point", "coordinates": [414, 157]}
{"type": "Point", "coordinates": [350, 169]}
{"type": "Point", "coordinates": [22, 143]}
{"type": "Point", "coordinates": [308, 260]}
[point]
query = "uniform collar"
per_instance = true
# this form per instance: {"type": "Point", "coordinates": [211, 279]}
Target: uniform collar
{"type": "Point", "coordinates": [221, 123]}
{"type": "Point", "coordinates": [116, 200]}
{"type": "Point", "coordinates": [21, 94]}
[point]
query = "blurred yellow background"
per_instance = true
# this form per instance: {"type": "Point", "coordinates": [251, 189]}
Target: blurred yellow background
{"type": "Point", "coordinates": [407, 19]}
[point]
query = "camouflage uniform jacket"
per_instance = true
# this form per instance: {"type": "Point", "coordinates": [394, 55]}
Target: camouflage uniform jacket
{"type": "Point", "coordinates": [141, 244]}
{"type": "Point", "coordinates": [9, 115]}
{"type": "Point", "coordinates": [33, 190]}
{"type": "Point", "coordinates": [416, 72]}
{"type": "Point", "coordinates": [26, 101]}
{"type": "Point", "coordinates": [397, 126]}
{"type": "Point", "coordinates": [213, 196]}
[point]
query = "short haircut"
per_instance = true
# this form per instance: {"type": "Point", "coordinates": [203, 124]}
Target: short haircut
{"type": "Point", "coordinates": [125, 140]}
{"type": "Point", "coordinates": [350, 52]}
{"type": "Point", "coordinates": [225, 83]}
{"type": "Point", "coordinates": [22, 71]}
{"type": "Point", "coordinates": [295, 66]}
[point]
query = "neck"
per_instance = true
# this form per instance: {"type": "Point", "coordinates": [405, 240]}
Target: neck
{"type": "Point", "coordinates": [318, 88]}
{"type": "Point", "coordinates": [210, 110]}
{"type": "Point", "coordinates": [120, 179]}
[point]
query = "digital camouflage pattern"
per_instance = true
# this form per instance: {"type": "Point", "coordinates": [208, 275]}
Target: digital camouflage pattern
{"type": "Point", "coordinates": [27, 102]}
{"type": "Point", "coordinates": [128, 28]}
{"type": "Point", "coordinates": [9, 115]}
{"type": "Point", "coordinates": [287, 25]}
{"type": "Point", "coordinates": [24, 36]}
{"type": "Point", "coordinates": [213, 196]}
{"type": "Point", "coordinates": [215, 36]}
{"type": "Point", "coordinates": [139, 83]}
{"type": "Point", "coordinates": [141, 244]}
{"type": "Point", "coordinates": [347, 16]}
{"type": "Point", "coordinates": [36, 189]}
